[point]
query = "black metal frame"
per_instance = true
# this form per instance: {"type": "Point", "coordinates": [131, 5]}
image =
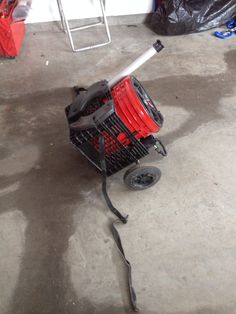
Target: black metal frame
{"type": "Point", "coordinates": [89, 117]}
{"type": "Point", "coordinates": [92, 114]}
{"type": "Point", "coordinates": [85, 140]}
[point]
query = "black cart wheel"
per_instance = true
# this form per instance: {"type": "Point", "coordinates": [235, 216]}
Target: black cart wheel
{"type": "Point", "coordinates": [141, 178]}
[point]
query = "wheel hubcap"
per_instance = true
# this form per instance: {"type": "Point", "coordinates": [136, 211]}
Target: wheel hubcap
{"type": "Point", "coordinates": [144, 179]}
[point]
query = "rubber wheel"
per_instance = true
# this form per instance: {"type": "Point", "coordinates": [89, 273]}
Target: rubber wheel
{"type": "Point", "coordinates": [141, 178]}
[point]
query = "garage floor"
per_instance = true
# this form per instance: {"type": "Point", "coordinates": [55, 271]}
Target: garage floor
{"type": "Point", "coordinates": [57, 252]}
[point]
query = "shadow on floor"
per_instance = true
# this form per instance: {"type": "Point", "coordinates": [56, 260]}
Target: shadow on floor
{"type": "Point", "coordinates": [200, 96]}
{"type": "Point", "coordinates": [48, 197]}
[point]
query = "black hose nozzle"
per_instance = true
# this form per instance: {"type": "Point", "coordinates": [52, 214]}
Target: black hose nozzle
{"type": "Point", "coordinates": [158, 45]}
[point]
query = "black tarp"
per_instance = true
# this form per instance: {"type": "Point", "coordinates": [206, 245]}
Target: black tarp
{"type": "Point", "coordinates": [175, 17]}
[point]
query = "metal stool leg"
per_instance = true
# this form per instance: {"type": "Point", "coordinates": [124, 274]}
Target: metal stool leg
{"type": "Point", "coordinates": [105, 21]}
{"type": "Point", "coordinates": [68, 30]}
{"type": "Point", "coordinates": [60, 8]}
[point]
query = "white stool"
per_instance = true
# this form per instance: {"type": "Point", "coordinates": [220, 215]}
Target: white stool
{"type": "Point", "coordinates": [68, 30]}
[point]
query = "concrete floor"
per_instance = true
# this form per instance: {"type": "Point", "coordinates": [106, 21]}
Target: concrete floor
{"type": "Point", "coordinates": [57, 255]}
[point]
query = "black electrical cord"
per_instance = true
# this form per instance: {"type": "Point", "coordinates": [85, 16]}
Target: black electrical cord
{"type": "Point", "coordinates": [122, 218]}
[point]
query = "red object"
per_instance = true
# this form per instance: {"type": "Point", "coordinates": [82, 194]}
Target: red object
{"type": "Point", "coordinates": [132, 111]}
{"type": "Point", "coordinates": [132, 106]}
{"type": "Point", "coordinates": [11, 33]}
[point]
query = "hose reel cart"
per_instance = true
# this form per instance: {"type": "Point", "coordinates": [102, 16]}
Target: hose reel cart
{"type": "Point", "coordinates": [123, 113]}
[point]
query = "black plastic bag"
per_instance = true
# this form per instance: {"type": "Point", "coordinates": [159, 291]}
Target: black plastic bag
{"type": "Point", "coordinates": [175, 17]}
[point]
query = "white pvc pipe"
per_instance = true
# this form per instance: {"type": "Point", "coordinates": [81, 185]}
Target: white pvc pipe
{"type": "Point", "coordinates": [133, 66]}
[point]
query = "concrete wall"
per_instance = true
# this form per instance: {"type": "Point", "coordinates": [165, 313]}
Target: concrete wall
{"type": "Point", "coordinates": [46, 10]}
